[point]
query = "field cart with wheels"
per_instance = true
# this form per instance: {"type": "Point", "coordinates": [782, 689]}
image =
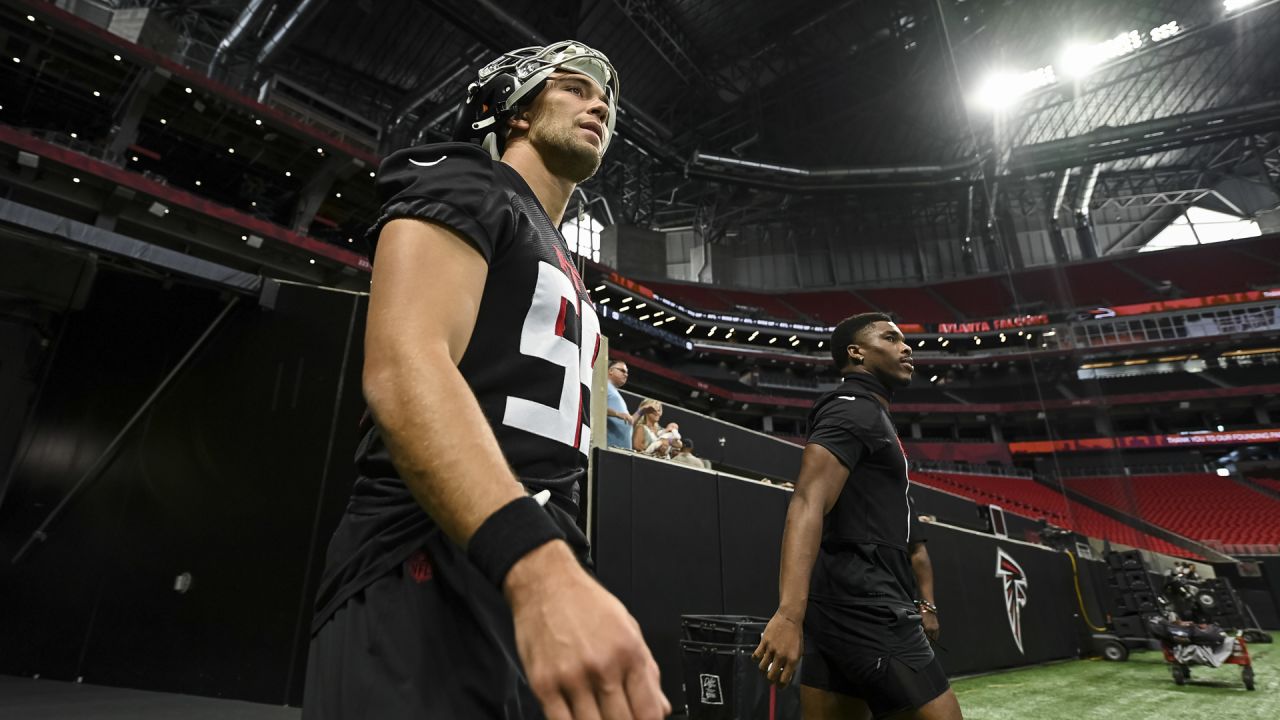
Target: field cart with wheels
{"type": "Point", "coordinates": [1186, 645]}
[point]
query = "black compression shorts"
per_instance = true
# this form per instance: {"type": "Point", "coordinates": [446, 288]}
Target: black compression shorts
{"type": "Point", "coordinates": [877, 653]}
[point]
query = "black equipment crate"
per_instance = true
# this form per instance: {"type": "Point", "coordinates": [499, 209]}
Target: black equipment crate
{"type": "Point", "coordinates": [723, 682]}
{"type": "Point", "coordinates": [724, 629]}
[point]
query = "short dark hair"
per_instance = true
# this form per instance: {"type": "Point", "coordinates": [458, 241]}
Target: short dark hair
{"type": "Point", "coordinates": [686, 444]}
{"type": "Point", "coordinates": [615, 362]}
{"type": "Point", "coordinates": [846, 334]}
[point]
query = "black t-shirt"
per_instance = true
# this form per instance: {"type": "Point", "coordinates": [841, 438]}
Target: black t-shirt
{"type": "Point", "coordinates": [865, 536]}
{"type": "Point", "coordinates": [529, 360]}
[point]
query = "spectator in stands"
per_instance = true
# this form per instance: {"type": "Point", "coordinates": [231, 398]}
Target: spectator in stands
{"type": "Point", "coordinates": [847, 586]}
{"type": "Point", "coordinates": [686, 456]}
{"type": "Point", "coordinates": [671, 433]}
{"type": "Point", "coordinates": [644, 438]}
{"type": "Point", "coordinates": [620, 419]}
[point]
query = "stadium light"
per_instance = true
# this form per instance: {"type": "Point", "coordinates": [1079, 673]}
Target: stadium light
{"type": "Point", "coordinates": [753, 336]}
{"type": "Point", "coordinates": [598, 288]}
{"type": "Point", "coordinates": [820, 343]}
{"type": "Point", "coordinates": [645, 317]}
{"type": "Point", "coordinates": [920, 344]}
{"type": "Point", "coordinates": [933, 379]}
{"type": "Point", "coordinates": [1223, 472]}
{"type": "Point", "coordinates": [690, 330]}
{"type": "Point", "coordinates": [1002, 89]}
{"type": "Point", "coordinates": [1078, 60]}
{"type": "Point", "coordinates": [773, 340]}
{"type": "Point", "coordinates": [1227, 5]}
{"type": "Point", "coordinates": [713, 330]}
{"type": "Point", "coordinates": [605, 301]}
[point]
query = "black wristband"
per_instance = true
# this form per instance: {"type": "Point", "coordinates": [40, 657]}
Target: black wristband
{"type": "Point", "coordinates": [515, 530]}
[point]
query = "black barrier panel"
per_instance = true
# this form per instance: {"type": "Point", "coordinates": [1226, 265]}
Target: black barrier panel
{"type": "Point", "coordinates": [184, 566]}
{"type": "Point", "coordinates": [948, 508]}
{"type": "Point", "coordinates": [670, 517]}
{"type": "Point", "coordinates": [751, 519]}
{"type": "Point", "coordinates": [979, 582]}
{"type": "Point", "coordinates": [744, 451]}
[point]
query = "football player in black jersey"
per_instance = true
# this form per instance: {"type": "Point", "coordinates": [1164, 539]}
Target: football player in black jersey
{"type": "Point", "coordinates": [848, 599]}
{"type": "Point", "coordinates": [455, 584]}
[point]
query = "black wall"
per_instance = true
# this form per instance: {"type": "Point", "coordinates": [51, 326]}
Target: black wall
{"type": "Point", "coordinates": [671, 541]}
{"type": "Point", "coordinates": [236, 475]}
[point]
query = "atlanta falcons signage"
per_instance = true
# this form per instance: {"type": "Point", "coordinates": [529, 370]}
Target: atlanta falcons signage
{"type": "Point", "coordinates": [1015, 592]}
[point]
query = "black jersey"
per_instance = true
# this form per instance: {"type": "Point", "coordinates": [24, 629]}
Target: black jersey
{"type": "Point", "coordinates": [866, 534]}
{"type": "Point", "coordinates": [529, 360]}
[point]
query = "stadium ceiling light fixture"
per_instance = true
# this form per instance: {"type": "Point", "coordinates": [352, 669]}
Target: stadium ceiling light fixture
{"type": "Point", "coordinates": [31, 18]}
{"type": "Point", "coordinates": [288, 174]}
{"type": "Point", "coordinates": [257, 121]}
{"type": "Point", "coordinates": [373, 174]}
{"type": "Point", "coordinates": [933, 379]}
{"type": "Point", "coordinates": [753, 336]}
{"type": "Point", "coordinates": [187, 91]}
{"type": "Point", "coordinates": [645, 317]}
{"type": "Point", "coordinates": [690, 330]}
{"type": "Point", "coordinates": [75, 179]}
{"type": "Point", "coordinates": [624, 308]}
{"type": "Point", "coordinates": [920, 344]}
{"type": "Point", "coordinates": [713, 330]}
{"type": "Point", "coordinates": [117, 58]}
{"type": "Point", "coordinates": [163, 121]}
{"type": "Point", "coordinates": [626, 299]}
{"type": "Point", "coordinates": [1002, 89]}
{"type": "Point", "coordinates": [605, 301]}
{"type": "Point", "coordinates": [598, 288]}
{"type": "Point", "coordinates": [74, 136]}
{"type": "Point", "coordinates": [821, 343]}
{"type": "Point", "coordinates": [773, 340]}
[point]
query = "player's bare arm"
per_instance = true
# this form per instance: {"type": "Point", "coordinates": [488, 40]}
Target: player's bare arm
{"type": "Point", "coordinates": [583, 652]}
{"type": "Point", "coordinates": [821, 478]}
{"type": "Point", "coordinates": [922, 567]}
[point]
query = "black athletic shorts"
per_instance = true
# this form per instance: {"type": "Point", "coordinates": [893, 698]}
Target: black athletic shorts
{"type": "Point", "coordinates": [878, 653]}
{"type": "Point", "coordinates": [432, 638]}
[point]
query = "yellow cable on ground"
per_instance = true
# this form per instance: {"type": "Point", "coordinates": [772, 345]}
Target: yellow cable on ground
{"type": "Point", "coordinates": [1075, 575]}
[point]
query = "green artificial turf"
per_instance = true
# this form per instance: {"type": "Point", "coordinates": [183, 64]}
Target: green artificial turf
{"type": "Point", "coordinates": [1139, 688]}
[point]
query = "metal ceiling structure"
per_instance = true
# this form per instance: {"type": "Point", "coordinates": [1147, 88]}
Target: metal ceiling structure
{"type": "Point", "coordinates": [738, 119]}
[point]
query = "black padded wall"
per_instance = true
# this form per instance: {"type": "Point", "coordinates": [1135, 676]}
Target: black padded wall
{"type": "Point", "coordinates": [235, 476]}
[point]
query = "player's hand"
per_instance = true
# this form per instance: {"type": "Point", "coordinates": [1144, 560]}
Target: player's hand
{"type": "Point", "coordinates": [779, 650]}
{"type": "Point", "coordinates": [582, 651]}
{"type": "Point", "coordinates": [930, 621]}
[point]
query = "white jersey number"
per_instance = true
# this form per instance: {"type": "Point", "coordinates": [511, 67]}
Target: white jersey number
{"type": "Point", "coordinates": [541, 337]}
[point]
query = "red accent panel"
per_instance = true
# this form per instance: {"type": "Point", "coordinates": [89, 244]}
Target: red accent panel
{"type": "Point", "coordinates": [564, 310]}
{"type": "Point", "coordinates": [15, 138]}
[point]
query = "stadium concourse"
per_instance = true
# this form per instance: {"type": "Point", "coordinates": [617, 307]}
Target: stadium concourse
{"type": "Point", "coordinates": [1071, 210]}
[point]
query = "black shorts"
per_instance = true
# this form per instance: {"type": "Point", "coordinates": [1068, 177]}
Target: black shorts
{"type": "Point", "coordinates": [430, 639]}
{"type": "Point", "coordinates": [878, 653]}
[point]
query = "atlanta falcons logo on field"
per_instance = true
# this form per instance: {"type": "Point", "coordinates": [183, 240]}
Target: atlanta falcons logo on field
{"type": "Point", "coordinates": [1015, 592]}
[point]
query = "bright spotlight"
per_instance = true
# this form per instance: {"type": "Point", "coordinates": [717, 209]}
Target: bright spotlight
{"type": "Point", "coordinates": [1078, 60]}
{"type": "Point", "coordinates": [1227, 5]}
{"type": "Point", "coordinates": [1002, 89]}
